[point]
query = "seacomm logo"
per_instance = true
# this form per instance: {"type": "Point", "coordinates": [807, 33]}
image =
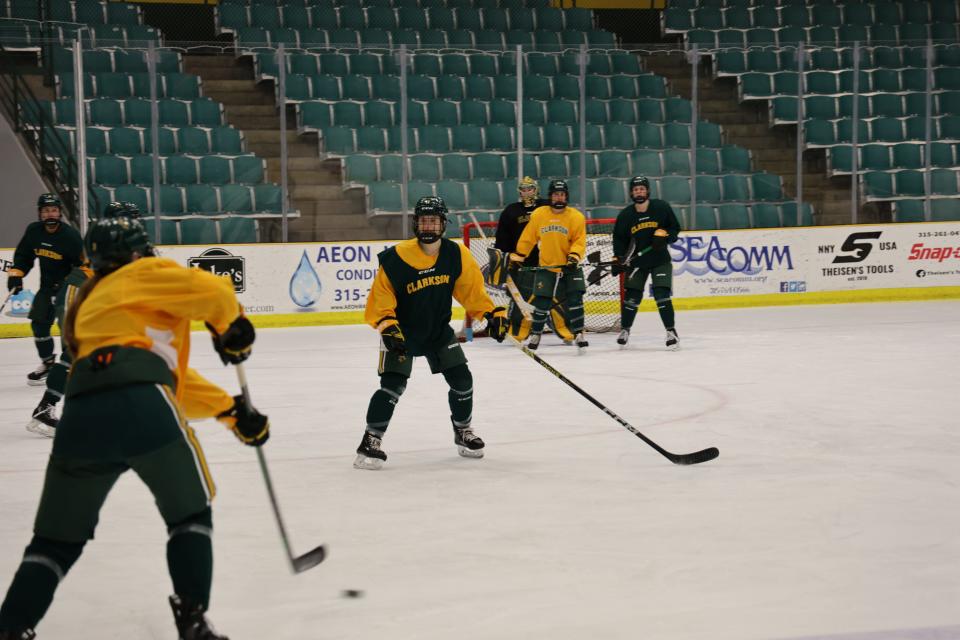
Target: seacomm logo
{"type": "Point", "coordinates": [921, 273]}
{"type": "Point", "coordinates": [221, 262]}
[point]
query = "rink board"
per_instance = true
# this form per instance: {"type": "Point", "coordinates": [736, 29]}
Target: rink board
{"type": "Point", "coordinates": [327, 283]}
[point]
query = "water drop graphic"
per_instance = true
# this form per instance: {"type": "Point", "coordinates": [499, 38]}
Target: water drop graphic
{"type": "Point", "coordinates": [305, 284]}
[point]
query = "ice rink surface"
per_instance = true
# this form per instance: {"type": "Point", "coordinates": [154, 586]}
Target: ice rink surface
{"type": "Point", "coordinates": [832, 510]}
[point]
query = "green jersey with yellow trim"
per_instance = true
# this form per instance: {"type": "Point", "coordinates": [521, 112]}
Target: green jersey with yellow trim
{"type": "Point", "coordinates": [641, 226]}
{"type": "Point", "coordinates": [424, 296]}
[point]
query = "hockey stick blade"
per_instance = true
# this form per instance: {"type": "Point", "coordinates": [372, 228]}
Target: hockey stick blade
{"type": "Point", "coordinates": [676, 458]}
{"type": "Point", "coordinates": [309, 560]}
{"type": "Point", "coordinates": [695, 458]}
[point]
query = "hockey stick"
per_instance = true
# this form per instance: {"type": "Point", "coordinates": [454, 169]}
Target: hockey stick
{"type": "Point", "coordinates": [5, 301]}
{"type": "Point", "coordinates": [676, 458]}
{"type": "Point", "coordinates": [310, 559]}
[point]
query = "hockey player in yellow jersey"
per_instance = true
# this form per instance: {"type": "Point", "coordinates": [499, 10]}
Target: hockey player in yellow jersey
{"type": "Point", "coordinates": [127, 397]}
{"type": "Point", "coordinates": [513, 220]}
{"type": "Point", "coordinates": [410, 305]}
{"type": "Point", "coordinates": [560, 231]}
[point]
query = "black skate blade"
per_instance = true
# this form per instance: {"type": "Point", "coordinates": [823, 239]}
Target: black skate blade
{"type": "Point", "coordinates": [695, 458]}
{"type": "Point", "coordinates": [309, 560]}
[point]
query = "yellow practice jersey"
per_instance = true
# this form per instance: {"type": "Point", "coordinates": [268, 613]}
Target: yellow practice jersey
{"type": "Point", "coordinates": [468, 288]}
{"type": "Point", "coordinates": [149, 304]}
{"type": "Point", "coordinates": [559, 235]}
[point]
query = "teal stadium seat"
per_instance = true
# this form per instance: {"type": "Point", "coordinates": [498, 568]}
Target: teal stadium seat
{"type": "Point", "coordinates": [236, 198]}
{"type": "Point", "coordinates": [198, 231]}
{"type": "Point", "coordinates": [235, 230]}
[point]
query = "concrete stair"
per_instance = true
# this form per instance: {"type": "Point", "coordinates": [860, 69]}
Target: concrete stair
{"type": "Point", "coordinates": [328, 212]}
{"type": "Point", "coordinates": [774, 149]}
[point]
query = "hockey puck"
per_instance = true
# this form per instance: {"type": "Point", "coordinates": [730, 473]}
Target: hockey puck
{"type": "Point", "coordinates": [352, 593]}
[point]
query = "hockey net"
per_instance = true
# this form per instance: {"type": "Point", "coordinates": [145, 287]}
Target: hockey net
{"type": "Point", "coordinates": [602, 300]}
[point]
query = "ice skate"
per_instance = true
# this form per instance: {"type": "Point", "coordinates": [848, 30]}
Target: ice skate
{"type": "Point", "coordinates": [191, 623]}
{"type": "Point", "coordinates": [469, 444]}
{"type": "Point", "coordinates": [673, 340]}
{"type": "Point", "coordinates": [533, 342]}
{"type": "Point", "coordinates": [369, 454]}
{"type": "Point", "coordinates": [582, 344]}
{"type": "Point", "coordinates": [623, 338]}
{"type": "Point", "coordinates": [44, 421]}
{"type": "Point", "coordinates": [38, 377]}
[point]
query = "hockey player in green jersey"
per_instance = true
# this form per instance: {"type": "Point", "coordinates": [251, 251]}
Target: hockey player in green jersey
{"type": "Point", "coordinates": [44, 419]}
{"type": "Point", "coordinates": [645, 228]}
{"type": "Point", "coordinates": [59, 248]}
{"type": "Point", "coordinates": [410, 305]}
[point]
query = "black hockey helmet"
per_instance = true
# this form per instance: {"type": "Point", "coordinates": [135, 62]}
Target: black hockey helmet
{"type": "Point", "coordinates": [558, 186]}
{"type": "Point", "coordinates": [113, 210]}
{"type": "Point", "coordinates": [429, 206]}
{"type": "Point", "coordinates": [639, 181]}
{"type": "Point", "coordinates": [131, 210]}
{"type": "Point", "coordinates": [49, 200]}
{"type": "Point", "coordinates": [112, 243]}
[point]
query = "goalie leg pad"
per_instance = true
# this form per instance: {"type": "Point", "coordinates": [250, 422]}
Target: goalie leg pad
{"type": "Point", "coordinates": [384, 401]}
{"type": "Point", "coordinates": [575, 310]}
{"type": "Point", "coordinates": [497, 267]}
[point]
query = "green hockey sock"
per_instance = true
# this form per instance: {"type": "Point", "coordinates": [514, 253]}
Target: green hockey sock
{"type": "Point", "coordinates": [45, 563]}
{"type": "Point", "coordinates": [661, 296]}
{"type": "Point", "coordinates": [190, 558]}
{"type": "Point", "coordinates": [628, 309]}
{"type": "Point", "coordinates": [42, 340]}
{"type": "Point", "coordinates": [384, 401]}
{"type": "Point", "coordinates": [460, 395]}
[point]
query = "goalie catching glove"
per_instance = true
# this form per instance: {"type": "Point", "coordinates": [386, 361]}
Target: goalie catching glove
{"type": "Point", "coordinates": [393, 340]}
{"type": "Point", "coordinates": [248, 424]}
{"type": "Point", "coordinates": [497, 323]}
{"type": "Point", "coordinates": [498, 267]}
{"type": "Point", "coordinates": [235, 343]}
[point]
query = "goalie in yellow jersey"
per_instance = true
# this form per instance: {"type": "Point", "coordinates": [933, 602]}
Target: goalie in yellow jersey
{"type": "Point", "coordinates": [127, 398]}
{"type": "Point", "coordinates": [560, 231]}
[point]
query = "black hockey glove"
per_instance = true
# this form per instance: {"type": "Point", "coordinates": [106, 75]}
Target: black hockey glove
{"type": "Point", "coordinates": [497, 323]}
{"type": "Point", "coordinates": [393, 340]}
{"type": "Point", "coordinates": [248, 424]}
{"type": "Point", "coordinates": [236, 342]}
{"type": "Point", "coordinates": [659, 240]}
{"type": "Point", "coordinates": [14, 284]}
{"type": "Point", "coordinates": [616, 268]}
{"type": "Point", "coordinates": [573, 262]}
